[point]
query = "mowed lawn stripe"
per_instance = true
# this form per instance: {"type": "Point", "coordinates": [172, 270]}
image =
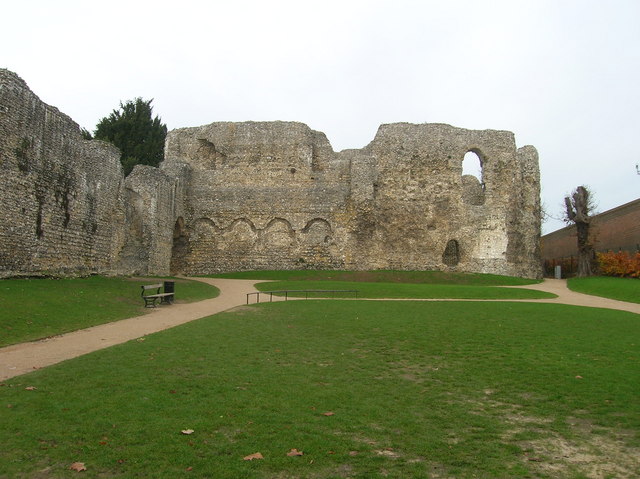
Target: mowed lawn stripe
{"type": "Point", "coordinates": [402, 290]}
{"type": "Point", "coordinates": [416, 390]}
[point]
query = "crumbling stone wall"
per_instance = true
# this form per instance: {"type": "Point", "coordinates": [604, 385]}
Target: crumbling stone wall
{"type": "Point", "coordinates": [62, 197]}
{"type": "Point", "coordinates": [261, 195]}
{"type": "Point", "coordinates": [276, 196]}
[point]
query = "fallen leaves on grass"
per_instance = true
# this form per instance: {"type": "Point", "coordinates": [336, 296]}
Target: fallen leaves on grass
{"type": "Point", "coordinates": [253, 456]}
{"type": "Point", "coordinates": [295, 452]}
{"type": "Point", "coordinates": [78, 467]}
{"type": "Point", "coordinates": [187, 431]}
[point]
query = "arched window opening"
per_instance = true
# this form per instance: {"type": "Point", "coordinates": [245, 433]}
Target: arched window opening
{"type": "Point", "coordinates": [472, 165]}
{"type": "Point", "coordinates": [451, 255]}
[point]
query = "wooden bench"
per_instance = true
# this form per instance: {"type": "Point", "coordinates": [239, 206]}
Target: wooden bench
{"type": "Point", "coordinates": [150, 299]}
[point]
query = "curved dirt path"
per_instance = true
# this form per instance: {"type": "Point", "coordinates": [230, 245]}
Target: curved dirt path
{"type": "Point", "coordinates": [22, 358]}
{"type": "Point", "coordinates": [25, 357]}
{"type": "Point", "coordinates": [566, 296]}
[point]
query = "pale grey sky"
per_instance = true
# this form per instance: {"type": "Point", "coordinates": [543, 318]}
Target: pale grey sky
{"type": "Point", "coordinates": [563, 75]}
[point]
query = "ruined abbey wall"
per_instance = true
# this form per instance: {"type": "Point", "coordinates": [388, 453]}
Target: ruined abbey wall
{"type": "Point", "coordinates": [275, 195]}
{"type": "Point", "coordinates": [62, 197]}
{"type": "Point", "coordinates": [261, 195]}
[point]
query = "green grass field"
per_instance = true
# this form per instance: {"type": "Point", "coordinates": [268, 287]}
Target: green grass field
{"type": "Point", "coordinates": [401, 290]}
{"type": "Point", "coordinates": [384, 276]}
{"type": "Point", "coordinates": [364, 389]}
{"type": "Point", "coordinates": [622, 289]}
{"type": "Point", "coordinates": [32, 309]}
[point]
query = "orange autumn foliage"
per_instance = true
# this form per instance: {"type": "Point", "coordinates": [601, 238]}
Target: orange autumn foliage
{"type": "Point", "coordinates": [621, 264]}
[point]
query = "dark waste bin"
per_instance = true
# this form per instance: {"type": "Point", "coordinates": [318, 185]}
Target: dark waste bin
{"type": "Point", "coordinates": [169, 287]}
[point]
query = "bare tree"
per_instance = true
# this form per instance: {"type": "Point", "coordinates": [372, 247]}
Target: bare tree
{"type": "Point", "coordinates": [579, 207]}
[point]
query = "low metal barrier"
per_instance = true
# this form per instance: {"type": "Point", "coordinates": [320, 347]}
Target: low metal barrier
{"type": "Point", "coordinates": [306, 292]}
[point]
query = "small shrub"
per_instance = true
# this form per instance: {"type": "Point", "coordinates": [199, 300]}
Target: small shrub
{"type": "Point", "coordinates": [621, 264]}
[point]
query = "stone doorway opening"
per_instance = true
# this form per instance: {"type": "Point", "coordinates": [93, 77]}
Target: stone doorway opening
{"type": "Point", "coordinates": [180, 248]}
{"type": "Point", "coordinates": [451, 255]}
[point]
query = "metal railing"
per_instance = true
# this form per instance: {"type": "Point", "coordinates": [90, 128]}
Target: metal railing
{"type": "Point", "coordinates": [306, 292]}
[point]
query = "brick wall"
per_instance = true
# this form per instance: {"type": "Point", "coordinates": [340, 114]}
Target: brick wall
{"type": "Point", "coordinates": [613, 230]}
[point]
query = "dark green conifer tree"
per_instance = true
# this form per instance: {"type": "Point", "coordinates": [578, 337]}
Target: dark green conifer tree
{"type": "Point", "coordinates": [138, 135]}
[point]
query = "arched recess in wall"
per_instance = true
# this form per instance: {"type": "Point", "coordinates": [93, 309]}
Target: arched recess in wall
{"type": "Point", "coordinates": [180, 248]}
{"type": "Point", "coordinates": [280, 224]}
{"type": "Point", "coordinates": [451, 255]}
{"type": "Point", "coordinates": [277, 235]}
{"type": "Point", "coordinates": [318, 230]}
{"type": "Point", "coordinates": [239, 237]}
{"type": "Point", "coordinates": [473, 187]}
{"type": "Point", "coordinates": [240, 223]}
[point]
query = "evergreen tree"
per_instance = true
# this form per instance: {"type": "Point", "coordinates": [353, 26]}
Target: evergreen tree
{"type": "Point", "coordinates": [138, 135]}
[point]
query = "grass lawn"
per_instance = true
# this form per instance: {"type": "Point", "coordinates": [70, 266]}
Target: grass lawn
{"type": "Point", "coordinates": [32, 309]}
{"type": "Point", "coordinates": [364, 389]}
{"type": "Point", "coordinates": [405, 290]}
{"type": "Point", "coordinates": [384, 276]}
{"type": "Point", "coordinates": [623, 289]}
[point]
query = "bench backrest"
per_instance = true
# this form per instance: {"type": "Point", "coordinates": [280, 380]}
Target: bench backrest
{"type": "Point", "coordinates": [151, 286]}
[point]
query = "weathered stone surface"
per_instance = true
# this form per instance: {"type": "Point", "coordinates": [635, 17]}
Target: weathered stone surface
{"type": "Point", "coordinates": [261, 195]}
{"type": "Point", "coordinates": [62, 197]}
{"type": "Point", "coordinates": [275, 195]}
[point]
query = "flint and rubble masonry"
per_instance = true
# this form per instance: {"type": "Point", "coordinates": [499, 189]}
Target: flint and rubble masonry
{"type": "Point", "coordinates": [261, 195]}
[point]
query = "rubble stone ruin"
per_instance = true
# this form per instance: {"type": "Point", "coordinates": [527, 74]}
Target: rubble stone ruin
{"type": "Point", "coordinates": [261, 195]}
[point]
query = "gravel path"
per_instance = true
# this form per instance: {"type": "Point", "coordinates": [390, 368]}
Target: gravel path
{"type": "Point", "coordinates": [22, 358]}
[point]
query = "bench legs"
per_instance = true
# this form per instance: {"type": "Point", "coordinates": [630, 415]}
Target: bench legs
{"type": "Point", "coordinates": [149, 302]}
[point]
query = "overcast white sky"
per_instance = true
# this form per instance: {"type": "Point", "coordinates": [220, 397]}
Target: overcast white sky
{"type": "Point", "coordinates": [563, 75]}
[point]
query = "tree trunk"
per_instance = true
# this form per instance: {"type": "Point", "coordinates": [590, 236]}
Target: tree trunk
{"type": "Point", "coordinates": [585, 251]}
{"type": "Point", "coordinates": [579, 207]}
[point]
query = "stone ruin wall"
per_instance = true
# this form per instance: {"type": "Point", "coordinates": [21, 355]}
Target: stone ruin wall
{"type": "Point", "coordinates": [276, 196]}
{"type": "Point", "coordinates": [62, 197]}
{"type": "Point", "coordinates": [66, 207]}
{"type": "Point", "coordinates": [240, 196]}
{"type": "Point", "coordinates": [259, 196]}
